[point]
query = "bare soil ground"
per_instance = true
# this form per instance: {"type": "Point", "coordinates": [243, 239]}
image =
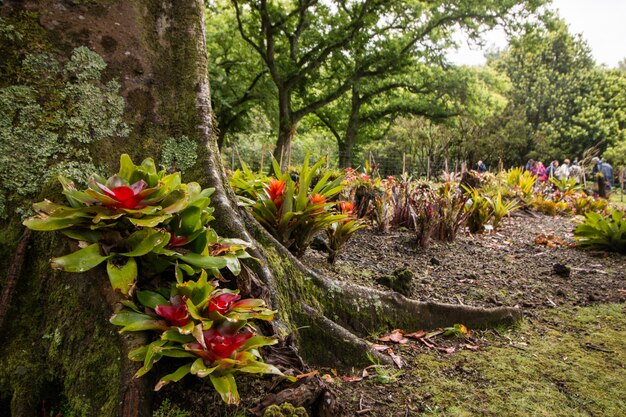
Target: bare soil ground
{"type": "Point", "coordinates": [502, 268]}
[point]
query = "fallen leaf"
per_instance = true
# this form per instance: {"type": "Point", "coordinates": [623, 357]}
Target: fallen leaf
{"type": "Point", "coordinates": [353, 378]}
{"type": "Point", "coordinates": [447, 350]}
{"type": "Point", "coordinates": [435, 333]}
{"type": "Point", "coordinates": [365, 374]}
{"type": "Point", "coordinates": [471, 347]}
{"type": "Point", "coordinates": [416, 335]}
{"type": "Point", "coordinates": [312, 373]}
{"type": "Point", "coordinates": [378, 347]}
{"type": "Point", "coordinates": [328, 378]}
{"type": "Point", "coordinates": [396, 359]}
{"type": "Point", "coordinates": [427, 343]}
{"type": "Point", "coordinates": [396, 336]}
{"type": "Point", "coordinates": [549, 240]}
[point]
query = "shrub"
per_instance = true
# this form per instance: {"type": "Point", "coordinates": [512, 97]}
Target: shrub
{"type": "Point", "coordinates": [602, 232]}
{"type": "Point", "coordinates": [452, 211]}
{"type": "Point", "coordinates": [501, 209]}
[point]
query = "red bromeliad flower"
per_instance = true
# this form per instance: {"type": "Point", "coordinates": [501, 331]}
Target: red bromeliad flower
{"type": "Point", "coordinates": [275, 191]}
{"type": "Point", "coordinates": [218, 345]}
{"type": "Point", "coordinates": [175, 312]}
{"type": "Point", "coordinates": [176, 241]}
{"type": "Point", "coordinates": [124, 196]}
{"type": "Point", "coordinates": [222, 302]}
{"type": "Point", "coordinates": [347, 207]}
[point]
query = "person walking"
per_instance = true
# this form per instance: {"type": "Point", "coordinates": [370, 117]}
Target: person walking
{"type": "Point", "coordinates": [541, 172]}
{"type": "Point", "coordinates": [551, 169]}
{"type": "Point", "coordinates": [576, 172]}
{"type": "Point", "coordinates": [605, 169]}
{"type": "Point", "coordinates": [562, 173]}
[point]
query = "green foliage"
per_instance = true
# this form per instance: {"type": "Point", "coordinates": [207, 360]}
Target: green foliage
{"type": "Point", "coordinates": [602, 232]}
{"type": "Point", "coordinates": [285, 410]}
{"type": "Point", "coordinates": [565, 185]}
{"type": "Point", "coordinates": [292, 211]}
{"type": "Point", "coordinates": [480, 210]}
{"type": "Point", "coordinates": [138, 216]}
{"type": "Point", "coordinates": [179, 153]}
{"type": "Point", "coordinates": [48, 121]}
{"type": "Point", "coordinates": [570, 105]}
{"type": "Point", "coordinates": [501, 209]}
{"type": "Point", "coordinates": [166, 409]}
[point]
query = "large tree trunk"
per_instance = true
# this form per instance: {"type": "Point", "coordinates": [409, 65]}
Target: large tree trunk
{"type": "Point", "coordinates": [57, 342]}
{"type": "Point", "coordinates": [286, 129]}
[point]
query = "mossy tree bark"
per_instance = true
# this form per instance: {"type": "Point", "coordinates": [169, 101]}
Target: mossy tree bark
{"type": "Point", "coordinates": [58, 340]}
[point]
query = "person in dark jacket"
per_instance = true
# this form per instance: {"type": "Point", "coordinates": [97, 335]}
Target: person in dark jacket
{"type": "Point", "coordinates": [605, 169]}
{"type": "Point", "coordinates": [481, 167]}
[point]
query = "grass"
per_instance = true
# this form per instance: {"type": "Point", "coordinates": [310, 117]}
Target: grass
{"type": "Point", "coordinates": [618, 199]}
{"type": "Point", "coordinates": [569, 364]}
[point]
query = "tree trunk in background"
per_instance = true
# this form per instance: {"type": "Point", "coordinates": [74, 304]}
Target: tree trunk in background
{"type": "Point", "coordinates": [57, 342]}
{"type": "Point", "coordinates": [286, 129]}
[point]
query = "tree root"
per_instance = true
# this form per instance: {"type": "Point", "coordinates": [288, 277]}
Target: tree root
{"type": "Point", "coordinates": [312, 393]}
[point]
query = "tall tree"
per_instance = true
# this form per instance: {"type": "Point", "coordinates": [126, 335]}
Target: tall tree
{"type": "Point", "coordinates": [56, 338]}
{"type": "Point", "coordinates": [239, 79]}
{"type": "Point", "coordinates": [303, 42]}
{"type": "Point", "coordinates": [570, 104]}
{"type": "Point", "coordinates": [374, 103]}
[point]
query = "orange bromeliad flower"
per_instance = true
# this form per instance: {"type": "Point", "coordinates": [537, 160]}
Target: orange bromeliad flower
{"type": "Point", "coordinates": [275, 191]}
{"type": "Point", "coordinates": [317, 199]}
{"type": "Point", "coordinates": [347, 207]}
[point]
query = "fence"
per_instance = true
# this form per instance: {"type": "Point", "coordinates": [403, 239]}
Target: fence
{"type": "Point", "coordinates": [396, 164]}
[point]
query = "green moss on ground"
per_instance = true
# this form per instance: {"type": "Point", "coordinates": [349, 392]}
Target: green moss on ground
{"type": "Point", "coordinates": [572, 364]}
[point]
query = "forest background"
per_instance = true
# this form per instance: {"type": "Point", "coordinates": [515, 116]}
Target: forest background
{"type": "Point", "coordinates": [542, 97]}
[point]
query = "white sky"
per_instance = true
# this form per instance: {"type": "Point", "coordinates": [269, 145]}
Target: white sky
{"type": "Point", "coordinates": [602, 24]}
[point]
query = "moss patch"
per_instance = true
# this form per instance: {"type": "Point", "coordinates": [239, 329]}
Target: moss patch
{"type": "Point", "coordinates": [57, 343]}
{"type": "Point", "coordinates": [570, 365]}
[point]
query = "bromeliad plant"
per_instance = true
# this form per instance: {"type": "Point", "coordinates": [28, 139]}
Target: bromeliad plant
{"type": "Point", "coordinates": [602, 232]}
{"type": "Point", "coordinates": [501, 208]}
{"type": "Point", "coordinates": [295, 212]}
{"type": "Point", "coordinates": [479, 210]}
{"type": "Point", "coordinates": [206, 329]}
{"type": "Point", "coordinates": [138, 218]}
{"type": "Point", "coordinates": [340, 231]}
{"type": "Point", "coordinates": [452, 211]}
{"type": "Point", "coordinates": [146, 222]}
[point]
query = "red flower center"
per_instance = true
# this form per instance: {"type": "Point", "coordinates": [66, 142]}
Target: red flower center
{"type": "Point", "coordinates": [174, 315]}
{"type": "Point", "coordinates": [222, 302]}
